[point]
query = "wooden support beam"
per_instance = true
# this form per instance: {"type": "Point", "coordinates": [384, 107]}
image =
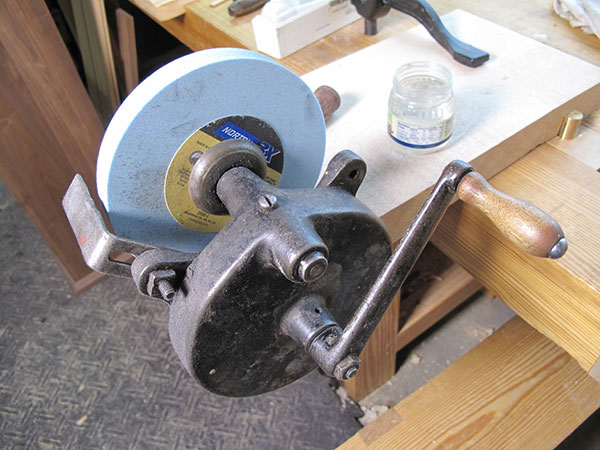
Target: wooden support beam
{"type": "Point", "coordinates": [94, 43]}
{"type": "Point", "coordinates": [127, 48]}
{"type": "Point", "coordinates": [426, 307]}
{"type": "Point", "coordinates": [378, 358]}
{"type": "Point", "coordinates": [559, 298]}
{"type": "Point", "coordinates": [517, 389]}
{"type": "Point", "coordinates": [441, 296]}
{"type": "Point", "coordinates": [50, 130]}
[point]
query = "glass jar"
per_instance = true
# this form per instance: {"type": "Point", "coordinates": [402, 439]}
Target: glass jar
{"type": "Point", "coordinates": [421, 107]}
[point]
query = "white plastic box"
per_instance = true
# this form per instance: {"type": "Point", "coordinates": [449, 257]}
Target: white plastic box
{"type": "Point", "coordinates": [312, 21]}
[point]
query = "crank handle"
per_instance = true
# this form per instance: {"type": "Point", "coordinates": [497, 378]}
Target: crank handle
{"type": "Point", "coordinates": [525, 225]}
{"type": "Point", "coordinates": [335, 350]}
{"type": "Point", "coordinates": [462, 52]}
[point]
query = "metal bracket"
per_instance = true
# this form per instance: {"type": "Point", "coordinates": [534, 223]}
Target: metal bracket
{"type": "Point", "coordinates": [98, 245]}
{"type": "Point", "coordinates": [156, 271]}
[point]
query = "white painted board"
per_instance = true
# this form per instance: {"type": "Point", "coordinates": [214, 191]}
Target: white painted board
{"type": "Point", "coordinates": [503, 109]}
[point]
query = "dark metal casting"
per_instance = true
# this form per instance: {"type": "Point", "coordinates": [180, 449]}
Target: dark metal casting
{"type": "Point", "coordinates": [227, 317]}
{"type": "Point", "coordinates": [355, 335]}
{"type": "Point", "coordinates": [297, 278]}
{"type": "Point", "coordinates": [158, 266]}
{"type": "Point", "coordinates": [464, 53]}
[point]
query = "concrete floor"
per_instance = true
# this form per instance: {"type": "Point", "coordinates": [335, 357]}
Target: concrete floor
{"type": "Point", "coordinates": [97, 370]}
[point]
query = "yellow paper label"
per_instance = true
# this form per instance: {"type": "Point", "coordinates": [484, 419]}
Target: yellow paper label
{"type": "Point", "coordinates": [177, 197]}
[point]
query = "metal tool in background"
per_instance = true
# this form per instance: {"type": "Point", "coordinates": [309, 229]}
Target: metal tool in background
{"type": "Point", "coordinates": [242, 7]}
{"type": "Point", "coordinates": [462, 52]}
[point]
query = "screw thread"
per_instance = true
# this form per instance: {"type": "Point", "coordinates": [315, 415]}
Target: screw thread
{"type": "Point", "coordinates": [166, 290]}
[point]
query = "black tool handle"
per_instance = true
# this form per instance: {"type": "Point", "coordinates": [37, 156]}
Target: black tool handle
{"type": "Point", "coordinates": [422, 11]}
{"type": "Point", "coordinates": [242, 7]}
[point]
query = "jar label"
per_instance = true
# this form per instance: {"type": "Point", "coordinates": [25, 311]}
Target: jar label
{"type": "Point", "coordinates": [419, 136]}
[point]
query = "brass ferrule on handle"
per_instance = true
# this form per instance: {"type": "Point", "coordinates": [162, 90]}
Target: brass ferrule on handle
{"type": "Point", "coordinates": [528, 227]}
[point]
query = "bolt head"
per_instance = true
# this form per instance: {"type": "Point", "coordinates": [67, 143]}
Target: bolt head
{"type": "Point", "coordinates": [346, 368]}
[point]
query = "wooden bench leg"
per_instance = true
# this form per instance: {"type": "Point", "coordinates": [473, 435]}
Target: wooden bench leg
{"type": "Point", "coordinates": [378, 359]}
{"type": "Point", "coordinates": [429, 302]}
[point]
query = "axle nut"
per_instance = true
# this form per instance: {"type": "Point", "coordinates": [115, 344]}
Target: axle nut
{"type": "Point", "coordinates": [312, 267]}
{"type": "Point", "coordinates": [346, 368]}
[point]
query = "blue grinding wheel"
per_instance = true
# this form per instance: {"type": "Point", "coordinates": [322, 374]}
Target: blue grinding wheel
{"type": "Point", "coordinates": [170, 106]}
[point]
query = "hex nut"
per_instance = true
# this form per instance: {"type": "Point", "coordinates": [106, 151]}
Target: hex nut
{"type": "Point", "coordinates": [346, 368]}
{"type": "Point", "coordinates": [154, 279]}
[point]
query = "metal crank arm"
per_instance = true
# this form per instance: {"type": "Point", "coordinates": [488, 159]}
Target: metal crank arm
{"type": "Point", "coordinates": [336, 351]}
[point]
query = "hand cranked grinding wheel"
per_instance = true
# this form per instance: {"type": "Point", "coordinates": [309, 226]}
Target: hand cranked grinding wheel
{"type": "Point", "coordinates": [298, 277]}
{"type": "Point", "coordinates": [179, 112]}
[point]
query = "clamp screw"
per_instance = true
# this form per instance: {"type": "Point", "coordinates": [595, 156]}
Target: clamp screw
{"type": "Point", "coordinates": [161, 282]}
{"type": "Point", "coordinates": [312, 267]}
{"type": "Point", "coordinates": [166, 290]}
{"type": "Point", "coordinates": [346, 368]}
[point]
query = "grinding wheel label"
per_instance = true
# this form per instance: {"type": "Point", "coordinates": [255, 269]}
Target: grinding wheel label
{"type": "Point", "coordinates": [177, 198]}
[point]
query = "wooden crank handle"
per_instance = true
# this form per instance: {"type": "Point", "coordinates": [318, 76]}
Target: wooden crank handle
{"type": "Point", "coordinates": [525, 225]}
{"type": "Point", "coordinates": [328, 99]}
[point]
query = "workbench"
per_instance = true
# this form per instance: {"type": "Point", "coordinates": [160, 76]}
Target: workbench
{"type": "Point", "coordinates": [559, 299]}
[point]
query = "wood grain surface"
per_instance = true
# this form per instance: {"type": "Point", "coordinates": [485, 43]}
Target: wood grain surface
{"type": "Point", "coordinates": [560, 298]}
{"type": "Point", "coordinates": [378, 358]}
{"type": "Point", "coordinates": [503, 109]}
{"type": "Point", "coordinates": [517, 389]}
{"type": "Point", "coordinates": [95, 47]}
{"type": "Point", "coordinates": [216, 28]}
{"type": "Point", "coordinates": [533, 18]}
{"type": "Point", "coordinates": [584, 147]}
{"type": "Point", "coordinates": [451, 288]}
{"type": "Point", "coordinates": [50, 130]}
{"type": "Point", "coordinates": [127, 48]}
{"type": "Point", "coordinates": [161, 10]}
{"type": "Point", "coordinates": [525, 225]}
